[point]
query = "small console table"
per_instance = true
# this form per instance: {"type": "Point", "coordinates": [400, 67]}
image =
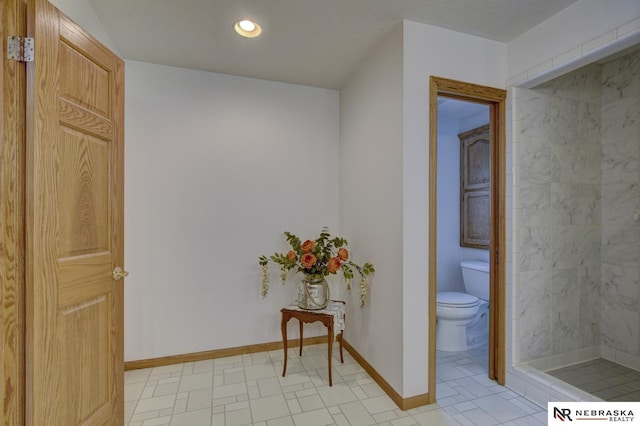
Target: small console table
{"type": "Point", "coordinates": [333, 317]}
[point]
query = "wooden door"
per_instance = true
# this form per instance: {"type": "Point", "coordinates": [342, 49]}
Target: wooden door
{"type": "Point", "coordinates": [74, 225]}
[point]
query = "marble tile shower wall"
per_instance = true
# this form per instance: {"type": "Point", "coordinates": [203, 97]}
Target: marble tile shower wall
{"type": "Point", "coordinates": [559, 215]}
{"type": "Point", "coordinates": [620, 129]}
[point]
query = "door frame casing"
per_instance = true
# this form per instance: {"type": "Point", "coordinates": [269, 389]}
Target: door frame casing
{"type": "Point", "coordinates": [12, 215]}
{"type": "Point", "coordinates": [496, 100]}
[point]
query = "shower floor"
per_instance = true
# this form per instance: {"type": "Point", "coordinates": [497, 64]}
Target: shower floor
{"type": "Point", "coordinates": [602, 378]}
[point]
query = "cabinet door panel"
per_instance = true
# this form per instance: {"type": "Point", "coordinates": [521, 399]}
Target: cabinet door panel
{"type": "Point", "coordinates": [475, 187]}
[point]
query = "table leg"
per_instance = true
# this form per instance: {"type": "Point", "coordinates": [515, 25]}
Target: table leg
{"type": "Point", "coordinates": [284, 342]}
{"type": "Point", "coordinates": [330, 343]}
{"type": "Point", "coordinates": [344, 318]}
{"type": "Point", "coordinates": [301, 324]}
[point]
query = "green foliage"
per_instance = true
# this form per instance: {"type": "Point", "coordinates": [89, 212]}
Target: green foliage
{"type": "Point", "coordinates": [293, 241]}
{"type": "Point", "coordinates": [368, 269]}
{"type": "Point", "coordinates": [317, 258]}
{"type": "Point", "coordinates": [325, 248]}
{"type": "Point", "coordinates": [347, 271]}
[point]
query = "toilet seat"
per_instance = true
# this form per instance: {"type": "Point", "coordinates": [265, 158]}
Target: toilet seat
{"type": "Point", "coordinates": [453, 299]}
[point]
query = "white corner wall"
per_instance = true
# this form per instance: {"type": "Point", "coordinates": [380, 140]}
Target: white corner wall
{"type": "Point", "coordinates": [384, 117]}
{"type": "Point", "coordinates": [217, 167]}
{"type": "Point", "coordinates": [427, 51]}
{"type": "Point", "coordinates": [371, 201]}
{"type": "Point", "coordinates": [449, 250]}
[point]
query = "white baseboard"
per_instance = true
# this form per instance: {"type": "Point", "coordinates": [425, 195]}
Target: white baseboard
{"type": "Point", "coordinates": [565, 359]}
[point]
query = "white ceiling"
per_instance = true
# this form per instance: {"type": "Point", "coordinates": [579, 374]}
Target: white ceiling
{"type": "Point", "coordinates": [454, 109]}
{"type": "Point", "coordinates": [309, 42]}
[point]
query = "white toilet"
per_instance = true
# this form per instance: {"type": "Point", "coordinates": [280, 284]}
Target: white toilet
{"type": "Point", "coordinates": [463, 318]}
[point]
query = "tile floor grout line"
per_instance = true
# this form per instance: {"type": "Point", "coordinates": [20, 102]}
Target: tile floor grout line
{"type": "Point", "coordinates": [354, 396]}
{"type": "Point", "coordinates": [577, 373]}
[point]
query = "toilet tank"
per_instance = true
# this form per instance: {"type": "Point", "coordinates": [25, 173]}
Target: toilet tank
{"type": "Point", "coordinates": [475, 277]}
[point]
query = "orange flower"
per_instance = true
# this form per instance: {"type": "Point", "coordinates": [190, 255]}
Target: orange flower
{"type": "Point", "coordinates": [307, 246]}
{"type": "Point", "coordinates": [291, 256]}
{"type": "Point", "coordinates": [333, 265]}
{"type": "Point", "coordinates": [308, 260]}
{"type": "Point", "coordinates": [343, 253]}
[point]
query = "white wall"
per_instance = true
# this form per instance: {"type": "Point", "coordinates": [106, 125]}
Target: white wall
{"type": "Point", "coordinates": [371, 200]}
{"type": "Point", "coordinates": [384, 177]}
{"type": "Point", "coordinates": [217, 167]}
{"type": "Point", "coordinates": [449, 250]}
{"type": "Point", "coordinates": [428, 51]}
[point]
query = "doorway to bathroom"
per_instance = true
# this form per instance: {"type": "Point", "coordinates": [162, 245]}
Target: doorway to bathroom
{"type": "Point", "coordinates": [472, 104]}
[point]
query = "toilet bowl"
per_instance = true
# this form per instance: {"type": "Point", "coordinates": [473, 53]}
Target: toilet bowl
{"type": "Point", "coordinates": [455, 311]}
{"type": "Point", "coordinates": [463, 317]}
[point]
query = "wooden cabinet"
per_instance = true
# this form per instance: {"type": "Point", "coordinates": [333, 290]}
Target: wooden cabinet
{"type": "Point", "coordinates": [475, 188]}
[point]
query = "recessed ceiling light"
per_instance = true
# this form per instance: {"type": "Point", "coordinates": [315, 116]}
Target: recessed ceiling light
{"type": "Point", "coordinates": [247, 28]}
{"type": "Point", "coordinates": [247, 25]}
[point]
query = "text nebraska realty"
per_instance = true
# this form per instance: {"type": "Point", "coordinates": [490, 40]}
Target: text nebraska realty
{"type": "Point", "coordinates": [613, 415]}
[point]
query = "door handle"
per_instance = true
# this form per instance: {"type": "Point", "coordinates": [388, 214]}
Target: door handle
{"type": "Point", "coordinates": [119, 273]}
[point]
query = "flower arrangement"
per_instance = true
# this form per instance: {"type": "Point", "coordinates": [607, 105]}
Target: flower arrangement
{"type": "Point", "coordinates": [317, 259]}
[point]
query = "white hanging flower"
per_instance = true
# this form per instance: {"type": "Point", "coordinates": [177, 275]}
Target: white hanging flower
{"type": "Point", "coordinates": [265, 281]}
{"type": "Point", "coordinates": [363, 290]}
{"type": "Point", "coordinates": [283, 274]}
{"type": "Point", "coordinates": [347, 281]}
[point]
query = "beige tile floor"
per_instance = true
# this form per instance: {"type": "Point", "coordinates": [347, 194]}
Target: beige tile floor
{"type": "Point", "coordinates": [602, 378]}
{"type": "Point", "coordinates": [249, 390]}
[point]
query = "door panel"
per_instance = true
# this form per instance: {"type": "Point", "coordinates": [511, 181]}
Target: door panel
{"type": "Point", "coordinates": [84, 327]}
{"type": "Point", "coordinates": [74, 226]}
{"type": "Point", "coordinates": [83, 81]}
{"type": "Point", "coordinates": [84, 193]}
